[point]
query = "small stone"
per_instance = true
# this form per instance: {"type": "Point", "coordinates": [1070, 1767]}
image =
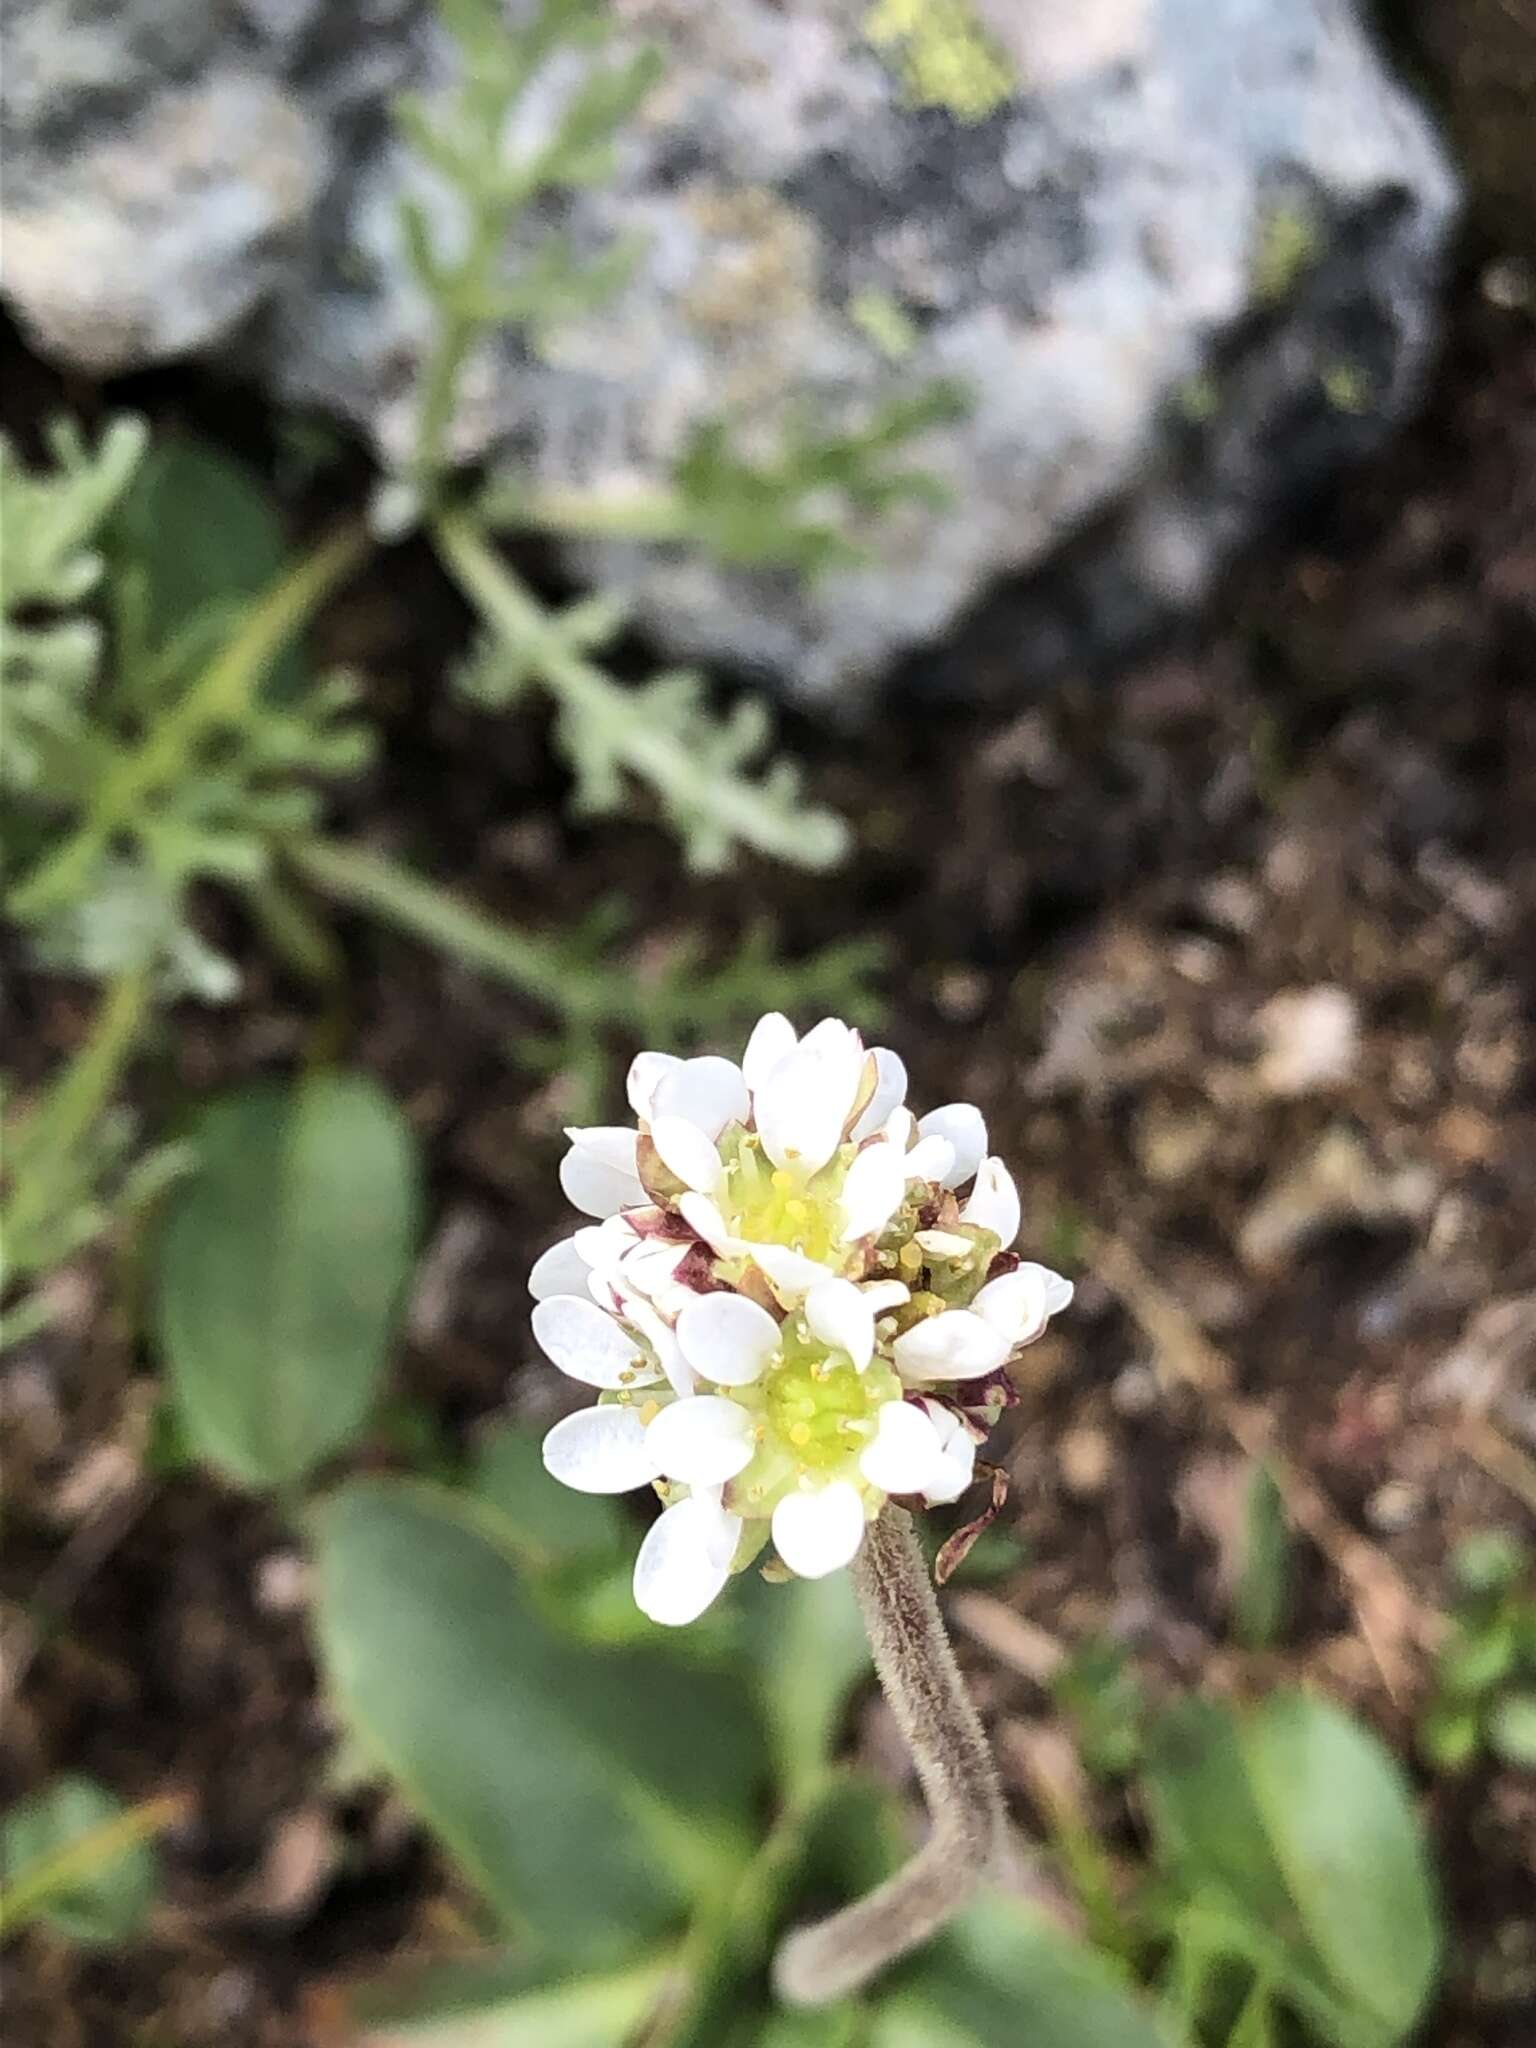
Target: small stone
{"type": "Point", "coordinates": [1232, 901]}
{"type": "Point", "coordinates": [1085, 1457]}
{"type": "Point", "coordinates": [1172, 1144]}
{"type": "Point", "coordinates": [961, 994]}
{"type": "Point", "coordinates": [1311, 1041]}
{"type": "Point", "coordinates": [1397, 1505]}
{"type": "Point", "coordinates": [1136, 1390]}
{"type": "Point", "coordinates": [283, 1583]}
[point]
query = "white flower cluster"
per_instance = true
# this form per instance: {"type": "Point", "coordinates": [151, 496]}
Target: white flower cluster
{"type": "Point", "coordinates": [798, 1301]}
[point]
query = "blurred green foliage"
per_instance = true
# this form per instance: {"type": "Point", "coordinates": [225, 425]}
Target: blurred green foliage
{"type": "Point", "coordinates": [282, 1271]}
{"type": "Point", "coordinates": [1484, 1701]}
{"type": "Point", "coordinates": [76, 1857]}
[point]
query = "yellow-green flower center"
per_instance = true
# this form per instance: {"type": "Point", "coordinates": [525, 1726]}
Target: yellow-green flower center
{"type": "Point", "coordinates": [768, 1204]}
{"type": "Point", "coordinates": [814, 1411]}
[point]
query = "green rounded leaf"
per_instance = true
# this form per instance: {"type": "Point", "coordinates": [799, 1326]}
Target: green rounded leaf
{"type": "Point", "coordinates": [1512, 1729]}
{"type": "Point", "coordinates": [502, 2002]}
{"type": "Point", "coordinates": [1006, 1978]}
{"type": "Point", "coordinates": [1489, 1561]}
{"type": "Point", "coordinates": [1478, 1657]}
{"type": "Point", "coordinates": [200, 529]}
{"type": "Point", "coordinates": [281, 1271]}
{"type": "Point", "coordinates": [1210, 1832]}
{"type": "Point", "coordinates": [74, 1858]}
{"type": "Point", "coordinates": [810, 1650]}
{"type": "Point", "coordinates": [586, 1792]}
{"type": "Point", "coordinates": [1450, 1736]}
{"type": "Point", "coordinates": [547, 1523]}
{"type": "Point", "coordinates": [1338, 1814]}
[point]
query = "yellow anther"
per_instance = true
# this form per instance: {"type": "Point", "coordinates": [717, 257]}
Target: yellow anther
{"type": "Point", "coordinates": [780, 1179]}
{"type": "Point", "coordinates": [910, 1256]}
{"type": "Point", "coordinates": [649, 1412]}
{"type": "Point", "coordinates": [800, 1433]}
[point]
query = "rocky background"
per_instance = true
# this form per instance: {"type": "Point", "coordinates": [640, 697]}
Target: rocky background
{"type": "Point", "coordinates": [1183, 256]}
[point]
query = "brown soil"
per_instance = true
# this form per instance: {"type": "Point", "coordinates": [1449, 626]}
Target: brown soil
{"type": "Point", "coordinates": [1239, 953]}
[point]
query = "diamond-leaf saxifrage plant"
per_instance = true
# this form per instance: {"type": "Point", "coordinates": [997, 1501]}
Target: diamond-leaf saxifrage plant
{"type": "Point", "coordinates": [798, 1304]}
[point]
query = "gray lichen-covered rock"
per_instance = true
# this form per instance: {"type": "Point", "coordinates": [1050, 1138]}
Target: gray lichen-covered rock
{"type": "Point", "coordinates": [1182, 253]}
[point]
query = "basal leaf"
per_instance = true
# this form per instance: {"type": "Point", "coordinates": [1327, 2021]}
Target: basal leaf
{"type": "Point", "coordinates": [586, 1792]}
{"type": "Point", "coordinates": [1338, 1813]}
{"type": "Point", "coordinates": [199, 528]}
{"type": "Point", "coordinates": [1005, 1978]}
{"type": "Point", "coordinates": [547, 1521]}
{"type": "Point", "coordinates": [1262, 1594]}
{"type": "Point", "coordinates": [76, 1857]}
{"type": "Point", "coordinates": [1210, 1833]}
{"type": "Point", "coordinates": [281, 1271]}
{"type": "Point", "coordinates": [504, 2003]}
{"type": "Point", "coordinates": [810, 1651]}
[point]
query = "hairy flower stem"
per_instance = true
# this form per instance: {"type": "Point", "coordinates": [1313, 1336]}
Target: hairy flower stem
{"type": "Point", "coordinates": [954, 1766]}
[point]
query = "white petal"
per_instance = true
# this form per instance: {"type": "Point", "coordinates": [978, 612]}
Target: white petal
{"type": "Point", "coordinates": [602, 1245]}
{"type": "Point", "coordinates": [687, 1152]}
{"type": "Point", "coordinates": [832, 1035]}
{"type": "Point", "coordinates": [884, 1294]}
{"type": "Point", "coordinates": [931, 1159]}
{"type": "Point", "coordinates": [660, 1336]}
{"type": "Point", "coordinates": [959, 1447]}
{"type": "Point", "coordinates": [890, 1092]}
{"type": "Point", "coordinates": [955, 1345]}
{"type": "Point", "coordinates": [646, 1070]}
{"type": "Point", "coordinates": [1058, 1290]}
{"type": "Point", "coordinates": [703, 1215]}
{"type": "Point", "coordinates": [709, 1092]}
{"type": "Point", "coordinates": [965, 1128]}
{"type": "Point", "coordinates": [994, 1203]}
{"type": "Point", "coordinates": [899, 1127]}
{"type": "Point", "coordinates": [650, 1263]}
{"type": "Point", "coordinates": [790, 1273]}
{"type": "Point", "coordinates": [841, 1316]}
{"type": "Point", "coordinates": [727, 1339]}
{"type": "Point", "coordinates": [598, 1174]}
{"type": "Point", "coordinates": [560, 1270]}
{"type": "Point", "coordinates": [684, 1561]}
{"type": "Point", "coordinates": [802, 1106]}
{"type": "Point", "coordinates": [600, 1450]}
{"type": "Point", "coordinates": [704, 1440]}
{"type": "Point", "coordinates": [907, 1455]}
{"type": "Point", "coordinates": [589, 1345]}
{"type": "Point", "coordinates": [819, 1532]}
{"type": "Point", "coordinates": [773, 1039]}
{"type": "Point", "coordinates": [872, 1193]}
{"type": "Point", "coordinates": [1014, 1304]}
